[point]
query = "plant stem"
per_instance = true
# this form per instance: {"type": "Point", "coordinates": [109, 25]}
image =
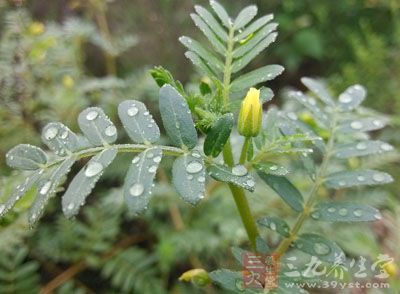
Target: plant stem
{"type": "Point", "coordinates": [238, 193]}
{"type": "Point", "coordinates": [245, 147]}
{"type": "Point", "coordinates": [319, 179]}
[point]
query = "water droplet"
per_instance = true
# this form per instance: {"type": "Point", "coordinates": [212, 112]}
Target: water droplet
{"type": "Point", "coordinates": [70, 206]}
{"type": "Point", "coordinates": [356, 125]}
{"type": "Point", "coordinates": [157, 159]}
{"type": "Point", "coordinates": [312, 101]}
{"type": "Point", "coordinates": [361, 178]}
{"type": "Point", "coordinates": [273, 167]}
{"type": "Point", "coordinates": [136, 190]}
{"type": "Point", "coordinates": [146, 113]}
{"type": "Point", "coordinates": [342, 183]}
{"type": "Point", "coordinates": [250, 183]}
{"type": "Point", "coordinates": [315, 215]}
{"type": "Point", "coordinates": [132, 111]}
{"type": "Point", "coordinates": [110, 131]}
{"type": "Point", "coordinates": [299, 245]}
{"type": "Point", "coordinates": [386, 147]}
{"type": "Point", "coordinates": [343, 212]}
{"type": "Point", "coordinates": [194, 167]}
{"type": "Point", "coordinates": [272, 225]}
{"type": "Point", "coordinates": [93, 169]}
{"type": "Point", "coordinates": [201, 179]}
{"type": "Point", "coordinates": [378, 177]}
{"type": "Point", "coordinates": [331, 209]}
{"type": "Point", "coordinates": [51, 133]}
{"type": "Point", "coordinates": [92, 115]}
{"type": "Point", "coordinates": [45, 188]}
{"type": "Point", "coordinates": [135, 159]}
{"type": "Point", "coordinates": [150, 155]}
{"type": "Point", "coordinates": [190, 177]}
{"type": "Point", "coordinates": [152, 169]}
{"type": "Point", "coordinates": [358, 212]}
{"type": "Point", "coordinates": [64, 135]}
{"type": "Point", "coordinates": [378, 216]}
{"type": "Point", "coordinates": [239, 170]}
{"type": "Point", "coordinates": [377, 122]}
{"type": "Point", "coordinates": [321, 248]}
{"type": "Point", "coordinates": [361, 146]}
{"type": "Point", "coordinates": [345, 98]}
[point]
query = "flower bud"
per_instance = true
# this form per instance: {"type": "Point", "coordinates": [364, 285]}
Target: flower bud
{"type": "Point", "coordinates": [250, 116]}
{"type": "Point", "coordinates": [198, 277]}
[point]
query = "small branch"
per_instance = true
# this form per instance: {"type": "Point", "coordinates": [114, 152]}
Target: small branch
{"type": "Point", "coordinates": [76, 268]}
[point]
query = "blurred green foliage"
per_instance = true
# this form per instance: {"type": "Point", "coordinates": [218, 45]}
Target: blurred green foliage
{"type": "Point", "coordinates": [53, 63]}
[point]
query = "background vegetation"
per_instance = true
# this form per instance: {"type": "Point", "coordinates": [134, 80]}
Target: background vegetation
{"type": "Point", "coordinates": [56, 57]}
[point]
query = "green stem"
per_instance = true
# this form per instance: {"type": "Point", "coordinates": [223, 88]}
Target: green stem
{"type": "Point", "coordinates": [238, 193]}
{"type": "Point", "coordinates": [245, 147]}
{"type": "Point", "coordinates": [319, 179]}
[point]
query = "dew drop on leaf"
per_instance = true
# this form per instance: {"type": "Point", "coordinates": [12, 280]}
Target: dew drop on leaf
{"type": "Point", "coordinates": [51, 133]}
{"type": "Point", "coordinates": [136, 190]}
{"type": "Point", "coordinates": [239, 170]}
{"type": "Point", "coordinates": [110, 131]}
{"type": "Point", "coordinates": [93, 169]}
{"type": "Point", "coordinates": [152, 169]}
{"type": "Point", "coordinates": [272, 225]}
{"type": "Point", "coordinates": [194, 167]}
{"type": "Point", "coordinates": [132, 111]}
{"type": "Point", "coordinates": [321, 248]}
{"type": "Point", "coordinates": [331, 209]}
{"type": "Point", "coordinates": [361, 178]}
{"type": "Point", "coordinates": [378, 177]}
{"type": "Point", "coordinates": [45, 188]}
{"type": "Point", "coordinates": [273, 167]}
{"type": "Point", "coordinates": [157, 159]}
{"type": "Point", "coordinates": [92, 115]}
{"type": "Point", "coordinates": [386, 147]}
{"type": "Point", "coordinates": [361, 146]}
{"type": "Point", "coordinates": [378, 216]}
{"type": "Point", "coordinates": [2, 207]}
{"type": "Point", "coordinates": [356, 125]}
{"type": "Point", "coordinates": [345, 98]}
{"type": "Point", "coordinates": [70, 206]}
{"type": "Point", "coordinates": [343, 212]}
{"type": "Point", "coordinates": [201, 179]}
{"type": "Point", "coordinates": [250, 183]}
{"type": "Point", "coordinates": [358, 212]}
{"type": "Point", "coordinates": [135, 160]}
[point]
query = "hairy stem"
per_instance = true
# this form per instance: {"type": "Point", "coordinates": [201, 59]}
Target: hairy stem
{"type": "Point", "coordinates": [238, 193]}
{"type": "Point", "coordinates": [319, 179]}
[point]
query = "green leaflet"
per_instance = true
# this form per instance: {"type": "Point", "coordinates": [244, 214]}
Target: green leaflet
{"type": "Point", "coordinates": [218, 46]}
{"type": "Point", "coordinates": [250, 43]}
{"type": "Point", "coordinates": [218, 135]}
{"type": "Point", "coordinates": [138, 122]}
{"type": "Point", "coordinates": [188, 177]}
{"type": "Point", "coordinates": [318, 89]}
{"type": "Point", "coordinates": [247, 58]}
{"type": "Point", "coordinates": [255, 26]}
{"type": "Point", "coordinates": [345, 179]}
{"type": "Point", "coordinates": [271, 168]}
{"type": "Point", "coordinates": [83, 183]}
{"type": "Point", "coordinates": [275, 224]}
{"type": "Point", "coordinates": [177, 118]}
{"type": "Point", "coordinates": [211, 60]}
{"type": "Point", "coordinates": [221, 12]}
{"type": "Point", "coordinates": [362, 148]}
{"type": "Point", "coordinates": [200, 63]}
{"type": "Point", "coordinates": [362, 125]}
{"type": "Point", "coordinates": [255, 77]}
{"type": "Point", "coordinates": [345, 212]}
{"type": "Point", "coordinates": [318, 246]}
{"type": "Point", "coordinates": [139, 179]}
{"type": "Point", "coordinates": [228, 279]}
{"type": "Point", "coordinates": [211, 22]}
{"type": "Point", "coordinates": [238, 175]}
{"type": "Point", "coordinates": [60, 139]}
{"type": "Point", "coordinates": [26, 157]}
{"type": "Point", "coordinates": [245, 16]}
{"type": "Point", "coordinates": [20, 190]}
{"type": "Point", "coordinates": [47, 188]}
{"type": "Point", "coordinates": [97, 127]}
{"type": "Point", "coordinates": [285, 189]}
{"type": "Point", "coordinates": [352, 97]}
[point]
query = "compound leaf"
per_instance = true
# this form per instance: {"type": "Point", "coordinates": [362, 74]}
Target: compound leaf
{"type": "Point", "coordinates": [60, 139]}
{"type": "Point", "coordinates": [345, 179]}
{"type": "Point", "coordinates": [345, 212]}
{"type": "Point", "coordinates": [275, 224]}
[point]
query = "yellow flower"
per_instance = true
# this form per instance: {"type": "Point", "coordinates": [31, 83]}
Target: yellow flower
{"type": "Point", "coordinates": [391, 269]}
{"type": "Point", "coordinates": [68, 81]}
{"type": "Point", "coordinates": [197, 276]}
{"type": "Point", "coordinates": [250, 116]}
{"type": "Point", "coordinates": [36, 28]}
